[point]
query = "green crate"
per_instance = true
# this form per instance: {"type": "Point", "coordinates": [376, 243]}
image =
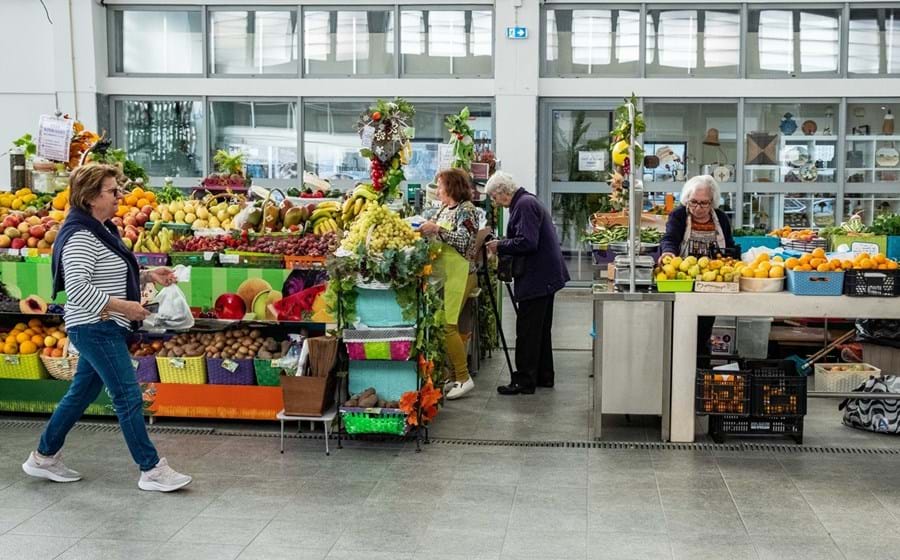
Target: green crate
{"type": "Point", "coordinates": [378, 421]}
{"type": "Point", "coordinates": [266, 374]}
{"type": "Point", "coordinates": [674, 285]}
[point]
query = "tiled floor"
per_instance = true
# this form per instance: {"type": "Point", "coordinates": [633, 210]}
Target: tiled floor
{"type": "Point", "coordinates": [382, 500]}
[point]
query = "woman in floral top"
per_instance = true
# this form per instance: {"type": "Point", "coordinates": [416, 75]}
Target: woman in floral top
{"type": "Point", "coordinates": [456, 224]}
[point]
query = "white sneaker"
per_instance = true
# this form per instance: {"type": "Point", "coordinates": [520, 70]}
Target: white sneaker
{"type": "Point", "coordinates": [459, 390]}
{"type": "Point", "coordinates": [51, 468]}
{"type": "Point", "coordinates": [163, 478]}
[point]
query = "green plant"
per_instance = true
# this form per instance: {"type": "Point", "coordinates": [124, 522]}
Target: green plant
{"type": "Point", "coordinates": [25, 142]}
{"type": "Point", "coordinates": [748, 232]}
{"type": "Point", "coordinates": [575, 210]}
{"type": "Point", "coordinates": [461, 139]}
{"type": "Point", "coordinates": [231, 163]}
{"type": "Point", "coordinates": [886, 224]}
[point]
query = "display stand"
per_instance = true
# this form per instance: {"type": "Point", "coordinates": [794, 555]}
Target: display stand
{"type": "Point", "coordinates": [326, 419]}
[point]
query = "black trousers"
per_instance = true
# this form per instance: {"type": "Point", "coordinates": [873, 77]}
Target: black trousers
{"type": "Point", "coordinates": [534, 348]}
{"type": "Point", "coordinates": [704, 332]}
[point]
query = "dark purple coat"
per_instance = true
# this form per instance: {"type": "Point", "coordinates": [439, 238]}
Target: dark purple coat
{"type": "Point", "coordinates": [532, 235]}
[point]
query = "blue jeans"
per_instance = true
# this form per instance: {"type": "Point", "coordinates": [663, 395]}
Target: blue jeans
{"type": "Point", "coordinates": [104, 359]}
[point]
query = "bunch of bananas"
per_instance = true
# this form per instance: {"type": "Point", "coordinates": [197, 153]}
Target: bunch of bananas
{"type": "Point", "coordinates": [156, 240]}
{"type": "Point", "coordinates": [357, 201]}
{"type": "Point", "coordinates": [324, 218]}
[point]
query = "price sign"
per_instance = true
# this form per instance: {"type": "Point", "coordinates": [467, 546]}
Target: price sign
{"type": "Point", "coordinates": [54, 138]}
{"type": "Point", "coordinates": [367, 135]}
{"type": "Point", "coordinates": [445, 156]}
{"type": "Point", "coordinates": [177, 363]}
{"type": "Point", "coordinates": [229, 259]}
{"type": "Point", "coordinates": [591, 161]}
{"type": "Point", "coordinates": [135, 364]}
{"type": "Point", "coordinates": [230, 365]}
{"type": "Point", "coordinates": [11, 360]}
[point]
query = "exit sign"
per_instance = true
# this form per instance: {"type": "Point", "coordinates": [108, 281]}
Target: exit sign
{"type": "Point", "coordinates": [516, 32]}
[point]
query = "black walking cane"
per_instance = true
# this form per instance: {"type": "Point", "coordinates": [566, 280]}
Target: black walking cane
{"type": "Point", "coordinates": [485, 273]}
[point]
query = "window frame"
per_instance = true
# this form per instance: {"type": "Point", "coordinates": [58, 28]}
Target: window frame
{"type": "Point", "coordinates": [113, 34]}
{"type": "Point", "coordinates": [849, 11]}
{"type": "Point", "coordinates": [208, 42]}
{"type": "Point", "coordinates": [839, 8]}
{"type": "Point", "coordinates": [395, 73]}
{"type": "Point", "coordinates": [446, 8]}
{"type": "Point", "coordinates": [742, 43]}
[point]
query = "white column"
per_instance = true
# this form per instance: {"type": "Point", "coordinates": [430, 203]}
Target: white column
{"type": "Point", "coordinates": [516, 78]}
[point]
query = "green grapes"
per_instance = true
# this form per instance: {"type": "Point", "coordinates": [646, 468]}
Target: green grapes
{"type": "Point", "coordinates": [382, 229]}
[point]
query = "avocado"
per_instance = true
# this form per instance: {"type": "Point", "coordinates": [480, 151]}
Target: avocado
{"type": "Point", "coordinates": [293, 217]}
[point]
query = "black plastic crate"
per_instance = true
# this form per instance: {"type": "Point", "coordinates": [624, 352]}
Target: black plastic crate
{"type": "Point", "coordinates": [722, 426]}
{"type": "Point", "coordinates": [722, 392]}
{"type": "Point", "coordinates": [872, 283]}
{"type": "Point", "coordinates": [775, 388]}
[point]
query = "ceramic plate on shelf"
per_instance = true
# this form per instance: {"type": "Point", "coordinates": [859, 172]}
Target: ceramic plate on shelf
{"type": "Point", "coordinates": [808, 173]}
{"type": "Point", "coordinates": [796, 156]}
{"type": "Point", "coordinates": [887, 157]}
{"type": "Point", "coordinates": [809, 127]}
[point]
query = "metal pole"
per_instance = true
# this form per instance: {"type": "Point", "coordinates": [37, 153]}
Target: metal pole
{"type": "Point", "coordinates": [633, 206]}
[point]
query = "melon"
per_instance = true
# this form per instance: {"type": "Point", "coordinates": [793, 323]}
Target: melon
{"type": "Point", "coordinates": [250, 288]}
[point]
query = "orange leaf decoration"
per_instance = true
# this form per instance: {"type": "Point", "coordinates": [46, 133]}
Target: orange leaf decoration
{"type": "Point", "coordinates": [429, 413]}
{"type": "Point", "coordinates": [408, 401]}
{"type": "Point", "coordinates": [430, 395]}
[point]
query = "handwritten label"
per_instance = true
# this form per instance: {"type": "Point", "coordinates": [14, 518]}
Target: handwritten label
{"type": "Point", "coordinates": [54, 138]}
{"type": "Point", "coordinates": [230, 365]}
{"type": "Point", "coordinates": [863, 247]}
{"type": "Point", "coordinates": [445, 156]}
{"type": "Point", "coordinates": [11, 360]}
{"type": "Point", "coordinates": [176, 363]}
{"type": "Point", "coordinates": [591, 161]}
{"type": "Point", "coordinates": [367, 135]}
{"type": "Point", "coordinates": [229, 259]}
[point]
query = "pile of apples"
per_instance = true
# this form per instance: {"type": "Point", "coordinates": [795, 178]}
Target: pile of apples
{"type": "Point", "coordinates": [33, 232]}
{"type": "Point", "coordinates": [36, 337]}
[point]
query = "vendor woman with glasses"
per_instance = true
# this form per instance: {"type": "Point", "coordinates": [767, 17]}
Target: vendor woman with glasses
{"type": "Point", "coordinates": [695, 228]}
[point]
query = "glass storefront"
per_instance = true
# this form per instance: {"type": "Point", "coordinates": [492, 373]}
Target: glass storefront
{"type": "Point", "coordinates": [446, 42]}
{"type": "Point", "coordinates": [348, 42]}
{"type": "Point", "coordinates": [165, 137]}
{"type": "Point", "coordinates": [793, 42]}
{"type": "Point", "coordinates": [873, 41]}
{"type": "Point", "coordinates": [588, 42]}
{"type": "Point", "coordinates": [685, 42]}
{"type": "Point", "coordinates": [253, 42]}
{"type": "Point", "coordinates": [265, 131]}
{"type": "Point", "coordinates": [156, 41]}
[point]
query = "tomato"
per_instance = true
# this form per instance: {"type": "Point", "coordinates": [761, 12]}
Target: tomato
{"type": "Point", "coordinates": [376, 116]}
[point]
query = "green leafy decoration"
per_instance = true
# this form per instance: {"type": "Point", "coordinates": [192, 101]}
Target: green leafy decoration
{"type": "Point", "coordinates": [229, 163]}
{"type": "Point", "coordinates": [461, 139]}
{"type": "Point", "coordinates": [27, 144]}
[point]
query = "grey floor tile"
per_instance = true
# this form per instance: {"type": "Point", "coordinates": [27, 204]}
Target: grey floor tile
{"type": "Point", "coordinates": [266, 551]}
{"type": "Point", "coordinates": [100, 549]}
{"type": "Point", "coordinates": [614, 498]}
{"type": "Point", "coordinates": [465, 543]}
{"type": "Point", "coordinates": [869, 547]}
{"type": "Point", "coordinates": [396, 540]}
{"type": "Point", "coordinates": [218, 530]}
{"type": "Point", "coordinates": [789, 547]}
{"type": "Point", "coordinates": [486, 496]}
{"type": "Point", "coordinates": [60, 524]}
{"type": "Point", "coordinates": [562, 499]}
{"type": "Point", "coordinates": [461, 517]}
{"type": "Point", "coordinates": [538, 519]}
{"type": "Point", "coordinates": [12, 516]}
{"type": "Point", "coordinates": [33, 547]}
{"type": "Point", "coordinates": [702, 551]}
{"type": "Point", "coordinates": [244, 507]}
{"type": "Point", "coordinates": [191, 551]}
{"type": "Point", "coordinates": [782, 523]}
{"type": "Point", "coordinates": [310, 532]}
{"type": "Point", "coordinates": [142, 526]}
{"type": "Point", "coordinates": [709, 500]}
{"type": "Point", "coordinates": [628, 547]}
{"type": "Point", "coordinates": [354, 554]}
{"type": "Point", "coordinates": [627, 522]}
{"type": "Point", "coordinates": [549, 544]}
{"type": "Point", "coordinates": [702, 522]}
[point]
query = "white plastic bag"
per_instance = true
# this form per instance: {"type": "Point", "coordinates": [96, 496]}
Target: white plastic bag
{"type": "Point", "coordinates": [174, 312]}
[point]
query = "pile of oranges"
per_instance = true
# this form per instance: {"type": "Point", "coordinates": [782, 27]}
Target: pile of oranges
{"type": "Point", "coordinates": [764, 266]}
{"type": "Point", "coordinates": [35, 337]}
{"type": "Point", "coordinates": [135, 201]}
{"type": "Point", "coordinates": [819, 262]}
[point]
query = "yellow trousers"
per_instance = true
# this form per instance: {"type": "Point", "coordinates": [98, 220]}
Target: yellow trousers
{"type": "Point", "coordinates": [456, 347]}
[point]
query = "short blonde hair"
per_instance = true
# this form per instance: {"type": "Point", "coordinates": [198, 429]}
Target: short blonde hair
{"type": "Point", "coordinates": [701, 182]}
{"type": "Point", "coordinates": [86, 182]}
{"type": "Point", "coordinates": [501, 183]}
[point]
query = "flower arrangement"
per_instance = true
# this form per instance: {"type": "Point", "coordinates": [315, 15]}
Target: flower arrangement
{"type": "Point", "coordinates": [385, 130]}
{"type": "Point", "coordinates": [461, 139]}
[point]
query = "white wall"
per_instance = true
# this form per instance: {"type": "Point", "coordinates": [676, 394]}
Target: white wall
{"type": "Point", "coordinates": [38, 67]}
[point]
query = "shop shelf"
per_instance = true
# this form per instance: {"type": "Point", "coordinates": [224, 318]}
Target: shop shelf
{"type": "Point", "coordinates": [872, 283]}
{"type": "Point", "coordinates": [721, 392]}
{"type": "Point", "coordinates": [721, 426]}
{"type": "Point", "coordinates": [803, 283]}
{"type": "Point", "coordinates": [390, 379]}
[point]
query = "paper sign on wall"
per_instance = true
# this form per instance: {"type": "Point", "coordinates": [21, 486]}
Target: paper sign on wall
{"type": "Point", "coordinates": [54, 137]}
{"type": "Point", "coordinates": [591, 161]}
{"type": "Point", "coordinates": [445, 156]}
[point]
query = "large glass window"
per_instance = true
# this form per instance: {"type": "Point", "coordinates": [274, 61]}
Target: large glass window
{"type": "Point", "coordinates": [253, 42]}
{"type": "Point", "coordinates": [348, 42]}
{"type": "Point", "coordinates": [790, 142]}
{"type": "Point", "coordinates": [693, 42]}
{"type": "Point", "coordinates": [331, 144]}
{"type": "Point", "coordinates": [446, 42]}
{"type": "Point", "coordinates": [872, 140]}
{"type": "Point", "coordinates": [163, 136]}
{"type": "Point", "coordinates": [874, 41]}
{"type": "Point", "coordinates": [265, 131]}
{"type": "Point", "coordinates": [157, 41]}
{"type": "Point", "coordinates": [868, 206]}
{"type": "Point", "coordinates": [785, 43]}
{"type": "Point", "coordinates": [591, 42]}
{"type": "Point", "coordinates": [580, 145]}
{"type": "Point", "coordinates": [683, 140]}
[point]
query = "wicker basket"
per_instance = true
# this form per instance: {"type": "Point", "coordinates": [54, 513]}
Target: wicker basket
{"type": "Point", "coordinates": [22, 366]}
{"type": "Point", "coordinates": [230, 371]}
{"type": "Point", "coordinates": [61, 368]}
{"type": "Point", "coordinates": [831, 381]}
{"type": "Point", "coordinates": [145, 369]}
{"type": "Point", "coordinates": [380, 344]}
{"type": "Point", "coordinates": [189, 371]}
{"type": "Point", "coordinates": [266, 374]}
{"type": "Point", "coordinates": [374, 421]}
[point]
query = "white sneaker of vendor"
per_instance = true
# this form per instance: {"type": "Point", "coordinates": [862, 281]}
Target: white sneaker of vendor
{"type": "Point", "coordinates": [459, 390]}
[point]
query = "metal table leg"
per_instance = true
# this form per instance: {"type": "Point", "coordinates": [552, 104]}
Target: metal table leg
{"type": "Point", "coordinates": [327, 451]}
{"type": "Point", "coordinates": [282, 436]}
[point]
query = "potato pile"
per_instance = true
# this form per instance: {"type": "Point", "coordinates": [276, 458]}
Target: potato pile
{"type": "Point", "coordinates": [236, 344]}
{"type": "Point", "coordinates": [143, 349]}
{"type": "Point", "coordinates": [369, 399]}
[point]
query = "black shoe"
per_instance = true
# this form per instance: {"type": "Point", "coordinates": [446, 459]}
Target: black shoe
{"type": "Point", "coordinates": [545, 385]}
{"type": "Point", "coordinates": [515, 389]}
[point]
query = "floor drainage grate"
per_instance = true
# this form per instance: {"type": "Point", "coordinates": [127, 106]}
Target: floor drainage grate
{"type": "Point", "coordinates": [611, 445]}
